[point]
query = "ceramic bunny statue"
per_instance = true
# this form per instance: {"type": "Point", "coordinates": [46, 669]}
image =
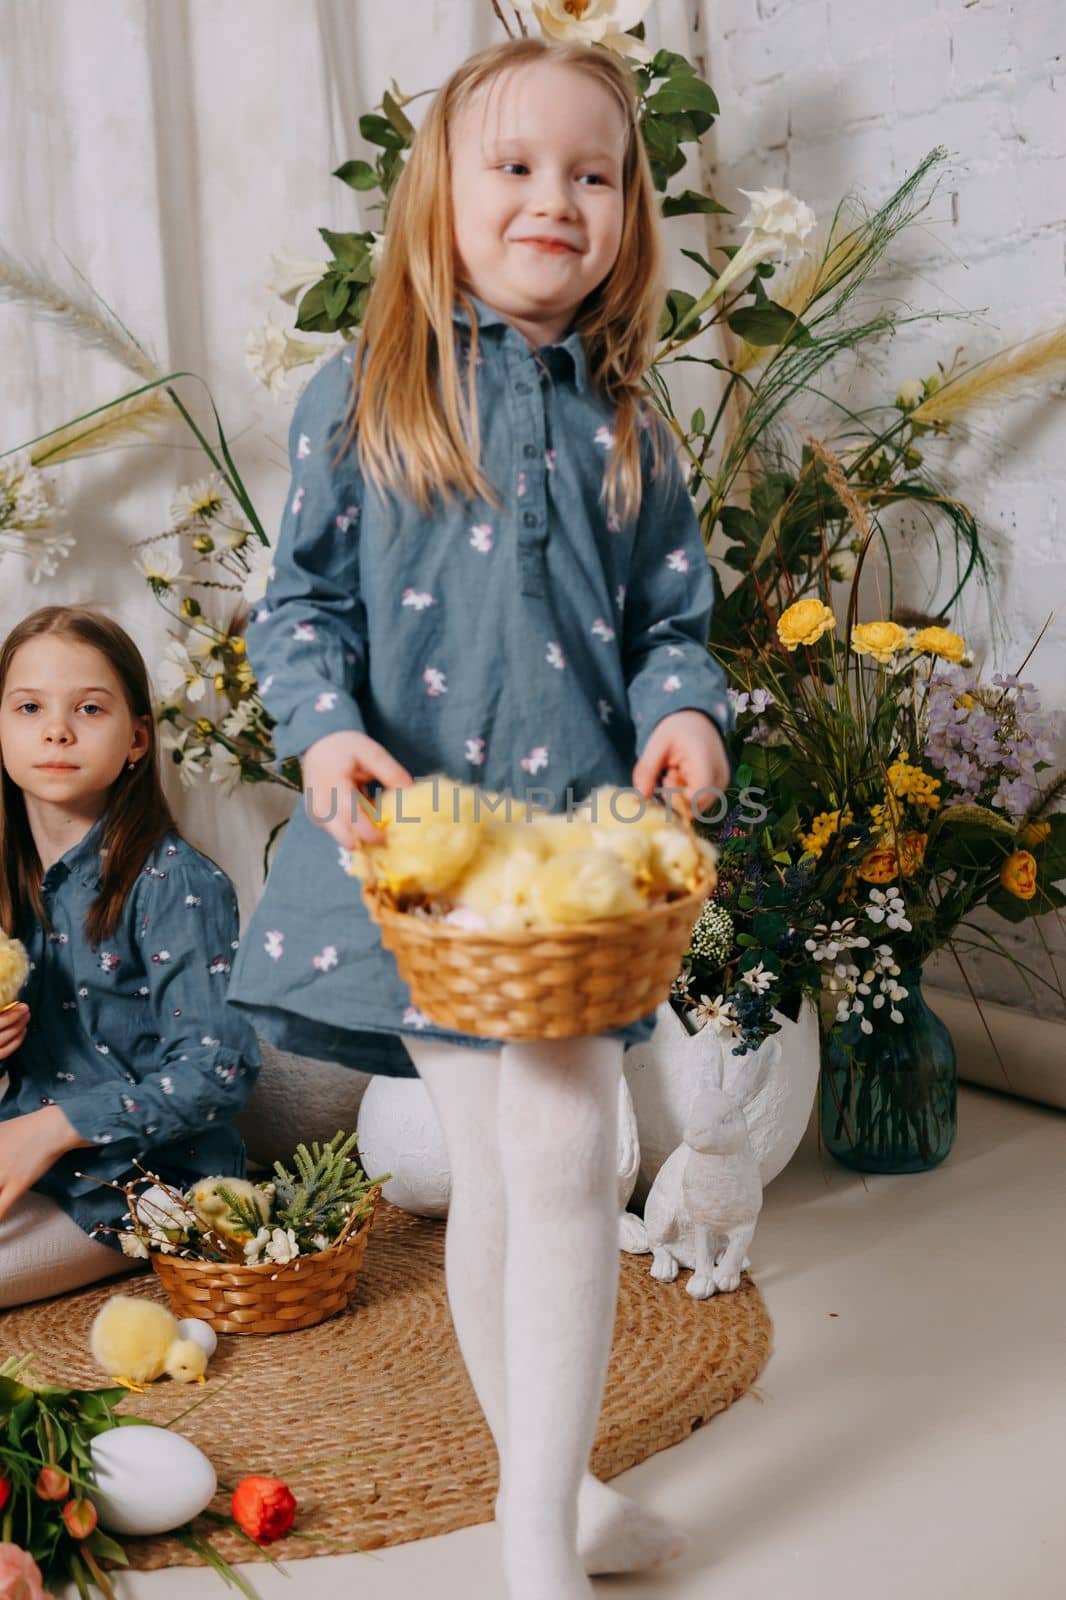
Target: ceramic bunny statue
{"type": "Point", "coordinates": [704, 1204]}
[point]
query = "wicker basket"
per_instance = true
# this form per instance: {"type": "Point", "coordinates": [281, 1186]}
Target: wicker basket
{"type": "Point", "coordinates": [267, 1298]}
{"type": "Point", "coordinates": [557, 983]}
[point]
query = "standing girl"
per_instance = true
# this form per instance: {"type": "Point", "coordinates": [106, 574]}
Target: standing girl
{"type": "Point", "coordinates": [489, 568]}
{"type": "Point", "coordinates": [122, 1047]}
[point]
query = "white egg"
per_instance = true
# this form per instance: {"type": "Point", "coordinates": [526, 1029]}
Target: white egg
{"type": "Point", "coordinates": [200, 1333]}
{"type": "Point", "coordinates": [148, 1480]}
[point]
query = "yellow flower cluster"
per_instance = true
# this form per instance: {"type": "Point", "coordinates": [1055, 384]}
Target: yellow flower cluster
{"type": "Point", "coordinates": [911, 783]}
{"type": "Point", "coordinates": [824, 826]}
{"type": "Point", "coordinates": [804, 623]}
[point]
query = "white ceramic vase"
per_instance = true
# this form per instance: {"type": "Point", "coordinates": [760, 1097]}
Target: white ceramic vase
{"type": "Point", "coordinates": [664, 1073]}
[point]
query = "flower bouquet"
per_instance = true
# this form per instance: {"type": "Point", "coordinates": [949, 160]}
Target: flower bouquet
{"type": "Point", "coordinates": [923, 795]}
{"type": "Point", "coordinates": [251, 1257]}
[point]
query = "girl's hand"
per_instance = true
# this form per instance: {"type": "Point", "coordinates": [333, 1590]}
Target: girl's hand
{"type": "Point", "coordinates": [688, 752]}
{"type": "Point", "coordinates": [13, 1025]}
{"type": "Point", "coordinates": [29, 1146]}
{"type": "Point", "coordinates": [334, 769]}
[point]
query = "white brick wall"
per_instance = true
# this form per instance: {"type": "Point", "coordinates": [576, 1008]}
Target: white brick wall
{"type": "Point", "coordinates": [826, 96]}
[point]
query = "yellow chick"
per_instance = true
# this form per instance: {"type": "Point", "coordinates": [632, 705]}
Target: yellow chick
{"type": "Point", "coordinates": [499, 878]}
{"type": "Point", "coordinates": [680, 860]}
{"type": "Point", "coordinates": [135, 1341]}
{"type": "Point", "coordinates": [212, 1208]}
{"type": "Point", "coordinates": [429, 836]}
{"type": "Point", "coordinates": [562, 833]}
{"type": "Point", "coordinates": [584, 886]}
{"type": "Point", "coordinates": [14, 970]}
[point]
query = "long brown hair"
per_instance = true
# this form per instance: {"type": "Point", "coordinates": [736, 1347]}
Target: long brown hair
{"type": "Point", "coordinates": [137, 816]}
{"type": "Point", "coordinates": [409, 439]}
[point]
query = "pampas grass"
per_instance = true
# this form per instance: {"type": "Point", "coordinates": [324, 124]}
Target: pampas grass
{"type": "Point", "coordinates": [998, 377]}
{"type": "Point", "coordinates": [81, 315]}
{"type": "Point", "coordinates": [113, 425]}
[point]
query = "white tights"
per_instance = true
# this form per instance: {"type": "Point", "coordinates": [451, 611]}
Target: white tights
{"type": "Point", "coordinates": [531, 1264]}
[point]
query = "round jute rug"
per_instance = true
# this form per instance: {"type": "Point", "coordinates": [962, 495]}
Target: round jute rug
{"type": "Point", "coordinates": [370, 1417]}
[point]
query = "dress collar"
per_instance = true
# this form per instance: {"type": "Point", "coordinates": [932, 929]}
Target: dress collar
{"type": "Point", "coordinates": [488, 317]}
{"type": "Point", "coordinates": [82, 860]}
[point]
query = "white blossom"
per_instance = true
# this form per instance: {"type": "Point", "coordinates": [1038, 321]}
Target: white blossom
{"type": "Point", "coordinates": [270, 355]}
{"type": "Point", "coordinates": [910, 393]}
{"type": "Point", "coordinates": [282, 1246]}
{"type": "Point", "coordinates": [292, 276]}
{"type": "Point", "coordinates": [223, 767]}
{"type": "Point", "coordinates": [757, 978]}
{"type": "Point", "coordinates": [601, 22]}
{"type": "Point", "coordinates": [259, 557]}
{"type": "Point", "coordinates": [206, 500]}
{"type": "Point", "coordinates": [177, 673]}
{"type": "Point", "coordinates": [717, 1014]}
{"type": "Point", "coordinates": [161, 566]}
{"type": "Point", "coordinates": [131, 1245]}
{"type": "Point", "coordinates": [190, 762]}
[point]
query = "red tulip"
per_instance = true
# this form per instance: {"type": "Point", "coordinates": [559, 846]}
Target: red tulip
{"type": "Point", "coordinates": [80, 1518]}
{"type": "Point", "coordinates": [5, 1491]}
{"type": "Point", "coordinates": [52, 1484]}
{"type": "Point", "coordinates": [264, 1508]}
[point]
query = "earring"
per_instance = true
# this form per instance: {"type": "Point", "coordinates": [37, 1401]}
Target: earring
{"type": "Point", "coordinates": [131, 766]}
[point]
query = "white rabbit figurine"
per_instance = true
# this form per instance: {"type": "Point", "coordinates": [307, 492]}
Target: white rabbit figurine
{"type": "Point", "coordinates": [704, 1204]}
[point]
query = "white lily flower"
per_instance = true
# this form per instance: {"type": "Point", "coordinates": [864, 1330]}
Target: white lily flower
{"type": "Point", "coordinates": [270, 355]}
{"type": "Point", "coordinates": [592, 22]}
{"type": "Point", "coordinates": [292, 276]}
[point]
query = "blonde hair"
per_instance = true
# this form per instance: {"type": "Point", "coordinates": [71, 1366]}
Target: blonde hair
{"type": "Point", "coordinates": [414, 440]}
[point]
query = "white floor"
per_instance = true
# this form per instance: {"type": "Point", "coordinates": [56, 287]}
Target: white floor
{"type": "Point", "coordinates": [909, 1436]}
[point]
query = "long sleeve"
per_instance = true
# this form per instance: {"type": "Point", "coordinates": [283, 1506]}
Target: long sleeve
{"type": "Point", "coordinates": [668, 605]}
{"type": "Point", "coordinates": [196, 1058]}
{"type": "Point", "coordinates": [307, 640]}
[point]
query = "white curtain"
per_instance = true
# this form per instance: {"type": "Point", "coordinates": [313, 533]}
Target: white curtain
{"type": "Point", "coordinates": [165, 149]}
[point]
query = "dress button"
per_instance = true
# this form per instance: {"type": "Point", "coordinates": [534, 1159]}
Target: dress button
{"type": "Point", "coordinates": [530, 519]}
{"type": "Point", "coordinates": [529, 450]}
{"type": "Point", "coordinates": [523, 388]}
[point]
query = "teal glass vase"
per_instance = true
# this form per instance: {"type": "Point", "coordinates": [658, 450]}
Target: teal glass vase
{"type": "Point", "coordinates": [887, 1099]}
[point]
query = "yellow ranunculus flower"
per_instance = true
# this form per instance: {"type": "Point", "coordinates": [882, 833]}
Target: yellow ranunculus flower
{"type": "Point", "coordinates": [879, 866]}
{"type": "Point", "coordinates": [1035, 833]}
{"type": "Point", "coordinates": [1018, 875]}
{"type": "Point", "coordinates": [939, 642]}
{"type": "Point", "coordinates": [804, 623]}
{"type": "Point", "coordinates": [882, 640]}
{"type": "Point", "coordinates": [910, 848]}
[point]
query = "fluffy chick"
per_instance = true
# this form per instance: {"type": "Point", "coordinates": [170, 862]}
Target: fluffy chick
{"type": "Point", "coordinates": [14, 969]}
{"type": "Point", "coordinates": [210, 1207]}
{"type": "Point", "coordinates": [429, 836]}
{"type": "Point", "coordinates": [135, 1341]}
{"type": "Point", "coordinates": [499, 879]}
{"type": "Point", "coordinates": [680, 860]}
{"type": "Point", "coordinates": [584, 886]}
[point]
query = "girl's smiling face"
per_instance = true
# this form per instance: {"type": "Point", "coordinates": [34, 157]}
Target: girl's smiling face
{"type": "Point", "coordinates": [537, 202]}
{"type": "Point", "coordinates": [66, 729]}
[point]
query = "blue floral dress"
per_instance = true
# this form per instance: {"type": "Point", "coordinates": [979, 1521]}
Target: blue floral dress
{"type": "Point", "coordinates": [530, 650]}
{"type": "Point", "coordinates": [133, 1037]}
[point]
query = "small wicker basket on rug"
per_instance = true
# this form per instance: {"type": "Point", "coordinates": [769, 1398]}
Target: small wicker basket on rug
{"type": "Point", "coordinates": [555, 983]}
{"type": "Point", "coordinates": [267, 1298]}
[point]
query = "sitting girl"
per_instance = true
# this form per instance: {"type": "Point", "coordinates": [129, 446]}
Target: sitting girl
{"type": "Point", "coordinates": [122, 1047]}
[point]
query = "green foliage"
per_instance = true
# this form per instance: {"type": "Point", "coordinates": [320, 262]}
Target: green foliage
{"type": "Point", "coordinates": [321, 1193]}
